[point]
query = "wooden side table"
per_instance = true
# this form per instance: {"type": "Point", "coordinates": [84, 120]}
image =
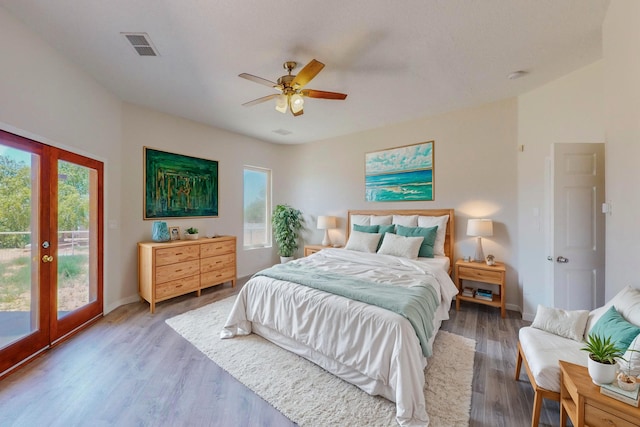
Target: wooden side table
{"type": "Point", "coordinates": [582, 402]}
{"type": "Point", "coordinates": [312, 249]}
{"type": "Point", "coordinates": [481, 272]}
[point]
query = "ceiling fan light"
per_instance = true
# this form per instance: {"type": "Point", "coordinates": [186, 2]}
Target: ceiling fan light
{"type": "Point", "coordinates": [281, 103]}
{"type": "Point", "coordinates": [297, 102]}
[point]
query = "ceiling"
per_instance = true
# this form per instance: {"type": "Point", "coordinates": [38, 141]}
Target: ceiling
{"type": "Point", "coordinates": [396, 60]}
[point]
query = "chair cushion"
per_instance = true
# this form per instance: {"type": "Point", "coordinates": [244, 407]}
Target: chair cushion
{"type": "Point", "coordinates": [543, 350]}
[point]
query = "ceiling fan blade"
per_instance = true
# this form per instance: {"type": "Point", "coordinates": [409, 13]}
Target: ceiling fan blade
{"type": "Point", "coordinates": [307, 73]}
{"type": "Point", "coordinates": [312, 93]}
{"type": "Point", "coordinates": [259, 100]}
{"type": "Point", "coordinates": [299, 113]}
{"type": "Point", "coordinates": [259, 80]}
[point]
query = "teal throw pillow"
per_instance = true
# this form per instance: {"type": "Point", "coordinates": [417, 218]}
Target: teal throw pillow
{"type": "Point", "coordinates": [429, 234]}
{"type": "Point", "coordinates": [366, 228]}
{"type": "Point", "coordinates": [613, 325]}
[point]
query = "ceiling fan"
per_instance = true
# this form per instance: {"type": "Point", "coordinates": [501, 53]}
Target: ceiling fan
{"type": "Point", "coordinates": [291, 90]}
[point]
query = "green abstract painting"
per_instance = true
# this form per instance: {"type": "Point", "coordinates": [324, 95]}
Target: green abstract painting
{"type": "Point", "coordinates": [177, 186]}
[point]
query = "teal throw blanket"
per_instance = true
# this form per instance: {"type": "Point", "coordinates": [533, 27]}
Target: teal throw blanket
{"type": "Point", "coordinates": [417, 303]}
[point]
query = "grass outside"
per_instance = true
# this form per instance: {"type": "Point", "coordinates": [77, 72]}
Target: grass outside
{"type": "Point", "coordinates": [15, 280]}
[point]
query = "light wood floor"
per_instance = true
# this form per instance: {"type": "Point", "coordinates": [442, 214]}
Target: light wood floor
{"type": "Point", "coordinates": [131, 369]}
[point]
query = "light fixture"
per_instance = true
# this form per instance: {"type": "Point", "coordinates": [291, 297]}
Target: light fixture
{"type": "Point", "coordinates": [281, 103]}
{"type": "Point", "coordinates": [296, 103]}
{"type": "Point", "coordinates": [325, 223]}
{"type": "Point", "coordinates": [479, 228]}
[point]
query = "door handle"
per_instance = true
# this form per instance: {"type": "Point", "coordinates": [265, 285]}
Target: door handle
{"type": "Point", "coordinates": [562, 260]}
{"type": "Point", "coordinates": [47, 258]}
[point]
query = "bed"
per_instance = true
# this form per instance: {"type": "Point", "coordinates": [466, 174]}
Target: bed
{"type": "Point", "coordinates": [379, 350]}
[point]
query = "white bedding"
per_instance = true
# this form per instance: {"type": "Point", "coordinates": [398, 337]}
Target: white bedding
{"type": "Point", "coordinates": [373, 348]}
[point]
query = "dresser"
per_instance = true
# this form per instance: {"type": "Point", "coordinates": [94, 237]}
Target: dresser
{"type": "Point", "coordinates": [170, 269]}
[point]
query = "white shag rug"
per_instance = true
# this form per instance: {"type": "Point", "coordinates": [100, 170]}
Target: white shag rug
{"type": "Point", "coordinates": [309, 395]}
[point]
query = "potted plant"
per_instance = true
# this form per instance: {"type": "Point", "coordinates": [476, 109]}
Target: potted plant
{"type": "Point", "coordinates": [191, 233]}
{"type": "Point", "coordinates": [602, 362]}
{"type": "Point", "coordinates": [287, 222]}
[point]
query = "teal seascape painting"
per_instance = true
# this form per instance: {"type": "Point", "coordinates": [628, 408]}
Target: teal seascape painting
{"type": "Point", "coordinates": [178, 186]}
{"type": "Point", "coordinates": [400, 174]}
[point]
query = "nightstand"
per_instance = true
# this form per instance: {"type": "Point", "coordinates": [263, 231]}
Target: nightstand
{"type": "Point", "coordinates": [312, 249]}
{"type": "Point", "coordinates": [481, 272]}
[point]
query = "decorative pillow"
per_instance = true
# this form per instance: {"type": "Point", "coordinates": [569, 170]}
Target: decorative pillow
{"type": "Point", "coordinates": [384, 229]}
{"type": "Point", "coordinates": [363, 242]}
{"type": "Point", "coordinates": [631, 358]}
{"type": "Point", "coordinates": [567, 324]}
{"type": "Point", "coordinates": [400, 246]}
{"type": "Point", "coordinates": [406, 220]}
{"type": "Point", "coordinates": [613, 325]}
{"type": "Point", "coordinates": [360, 219]}
{"type": "Point", "coordinates": [380, 220]}
{"type": "Point", "coordinates": [441, 222]}
{"type": "Point", "coordinates": [627, 302]}
{"type": "Point", "coordinates": [366, 228]}
{"type": "Point", "coordinates": [429, 234]}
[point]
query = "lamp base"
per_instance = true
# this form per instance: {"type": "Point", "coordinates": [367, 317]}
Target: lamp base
{"type": "Point", "coordinates": [479, 256]}
{"type": "Point", "coordinates": [326, 241]}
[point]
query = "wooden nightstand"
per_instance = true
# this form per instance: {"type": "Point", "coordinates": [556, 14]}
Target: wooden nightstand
{"type": "Point", "coordinates": [582, 402]}
{"type": "Point", "coordinates": [481, 272]}
{"type": "Point", "coordinates": [312, 249]}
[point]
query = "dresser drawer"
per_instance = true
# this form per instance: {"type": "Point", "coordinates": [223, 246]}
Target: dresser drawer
{"type": "Point", "coordinates": [177, 287]}
{"type": "Point", "coordinates": [217, 248]}
{"type": "Point", "coordinates": [597, 417]}
{"type": "Point", "coordinates": [170, 272]}
{"type": "Point", "coordinates": [217, 262]}
{"type": "Point", "coordinates": [216, 277]}
{"type": "Point", "coordinates": [486, 276]}
{"type": "Point", "coordinates": [166, 256]}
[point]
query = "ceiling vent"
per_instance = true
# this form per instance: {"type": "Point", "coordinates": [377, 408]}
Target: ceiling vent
{"type": "Point", "coordinates": [141, 43]}
{"type": "Point", "coordinates": [282, 131]}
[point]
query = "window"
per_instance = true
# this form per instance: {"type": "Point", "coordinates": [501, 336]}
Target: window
{"type": "Point", "coordinates": [257, 207]}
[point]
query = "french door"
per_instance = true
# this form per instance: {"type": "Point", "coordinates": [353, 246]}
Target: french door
{"type": "Point", "coordinates": [51, 230]}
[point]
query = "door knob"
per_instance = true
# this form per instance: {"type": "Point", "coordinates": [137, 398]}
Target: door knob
{"type": "Point", "coordinates": [47, 258]}
{"type": "Point", "coordinates": [562, 260]}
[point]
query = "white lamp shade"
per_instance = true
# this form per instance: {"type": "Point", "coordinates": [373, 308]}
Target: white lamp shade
{"type": "Point", "coordinates": [281, 103]}
{"type": "Point", "coordinates": [326, 222]}
{"type": "Point", "coordinates": [480, 227]}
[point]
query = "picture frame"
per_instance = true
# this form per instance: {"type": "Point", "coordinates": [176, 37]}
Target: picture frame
{"type": "Point", "coordinates": [174, 233]}
{"type": "Point", "coordinates": [179, 186]}
{"type": "Point", "coordinates": [400, 174]}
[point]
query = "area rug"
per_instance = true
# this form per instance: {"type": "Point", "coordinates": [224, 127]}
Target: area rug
{"type": "Point", "coordinates": [309, 395]}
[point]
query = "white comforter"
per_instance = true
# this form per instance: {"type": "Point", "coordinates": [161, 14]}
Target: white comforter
{"type": "Point", "coordinates": [373, 348]}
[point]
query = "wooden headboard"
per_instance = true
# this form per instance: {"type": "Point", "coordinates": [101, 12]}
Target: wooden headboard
{"type": "Point", "coordinates": [449, 240]}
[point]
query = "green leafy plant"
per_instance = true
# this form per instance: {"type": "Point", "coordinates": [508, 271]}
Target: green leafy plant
{"type": "Point", "coordinates": [192, 230]}
{"type": "Point", "coordinates": [602, 350]}
{"type": "Point", "coordinates": [287, 222]}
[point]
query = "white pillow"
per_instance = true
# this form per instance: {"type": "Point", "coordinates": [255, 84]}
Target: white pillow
{"type": "Point", "coordinates": [400, 246]}
{"type": "Point", "coordinates": [627, 303]}
{"type": "Point", "coordinates": [565, 323]}
{"type": "Point", "coordinates": [360, 220]}
{"type": "Point", "coordinates": [632, 358]}
{"type": "Point", "coordinates": [406, 220]}
{"type": "Point", "coordinates": [441, 222]}
{"type": "Point", "coordinates": [380, 220]}
{"type": "Point", "coordinates": [363, 242]}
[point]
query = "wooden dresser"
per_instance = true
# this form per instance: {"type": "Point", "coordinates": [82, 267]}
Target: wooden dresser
{"type": "Point", "coordinates": [170, 269]}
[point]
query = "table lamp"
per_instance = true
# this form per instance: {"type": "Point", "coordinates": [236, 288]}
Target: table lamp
{"type": "Point", "coordinates": [325, 223]}
{"type": "Point", "coordinates": [479, 228]}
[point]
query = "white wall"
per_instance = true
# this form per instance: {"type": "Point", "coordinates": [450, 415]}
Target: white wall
{"type": "Point", "coordinates": [621, 44]}
{"type": "Point", "coordinates": [566, 110]}
{"type": "Point", "coordinates": [475, 173]}
{"type": "Point", "coordinates": [46, 98]}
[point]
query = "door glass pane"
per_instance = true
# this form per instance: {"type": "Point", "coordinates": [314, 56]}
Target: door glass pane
{"type": "Point", "coordinates": [18, 244]}
{"type": "Point", "coordinates": [77, 239]}
{"type": "Point", "coordinates": [257, 207]}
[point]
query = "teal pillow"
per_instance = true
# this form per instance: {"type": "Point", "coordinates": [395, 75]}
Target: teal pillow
{"type": "Point", "coordinates": [366, 228]}
{"type": "Point", "coordinates": [613, 325]}
{"type": "Point", "coordinates": [429, 234]}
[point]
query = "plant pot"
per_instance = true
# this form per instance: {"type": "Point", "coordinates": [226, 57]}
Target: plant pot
{"type": "Point", "coordinates": [285, 259]}
{"type": "Point", "coordinates": [188, 236]}
{"type": "Point", "coordinates": [601, 373]}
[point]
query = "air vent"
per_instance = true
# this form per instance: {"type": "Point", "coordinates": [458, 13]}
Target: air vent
{"type": "Point", "coordinates": [141, 43]}
{"type": "Point", "coordinates": [282, 131]}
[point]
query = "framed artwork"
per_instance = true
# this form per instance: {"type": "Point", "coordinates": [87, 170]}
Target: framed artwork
{"type": "Point", "coordinates": [400, 174]}
{"type": "Point", "coordinates": [177, 186]}
{"type": "Point", "coordinates": [174, 233]}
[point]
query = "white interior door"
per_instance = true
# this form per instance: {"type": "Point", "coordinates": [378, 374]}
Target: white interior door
{"type": "Point", "coordinates": [578, 224]}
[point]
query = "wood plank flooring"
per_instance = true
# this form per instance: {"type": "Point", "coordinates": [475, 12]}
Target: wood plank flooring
{"type": "Point", "coordinates": [131, 369]}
